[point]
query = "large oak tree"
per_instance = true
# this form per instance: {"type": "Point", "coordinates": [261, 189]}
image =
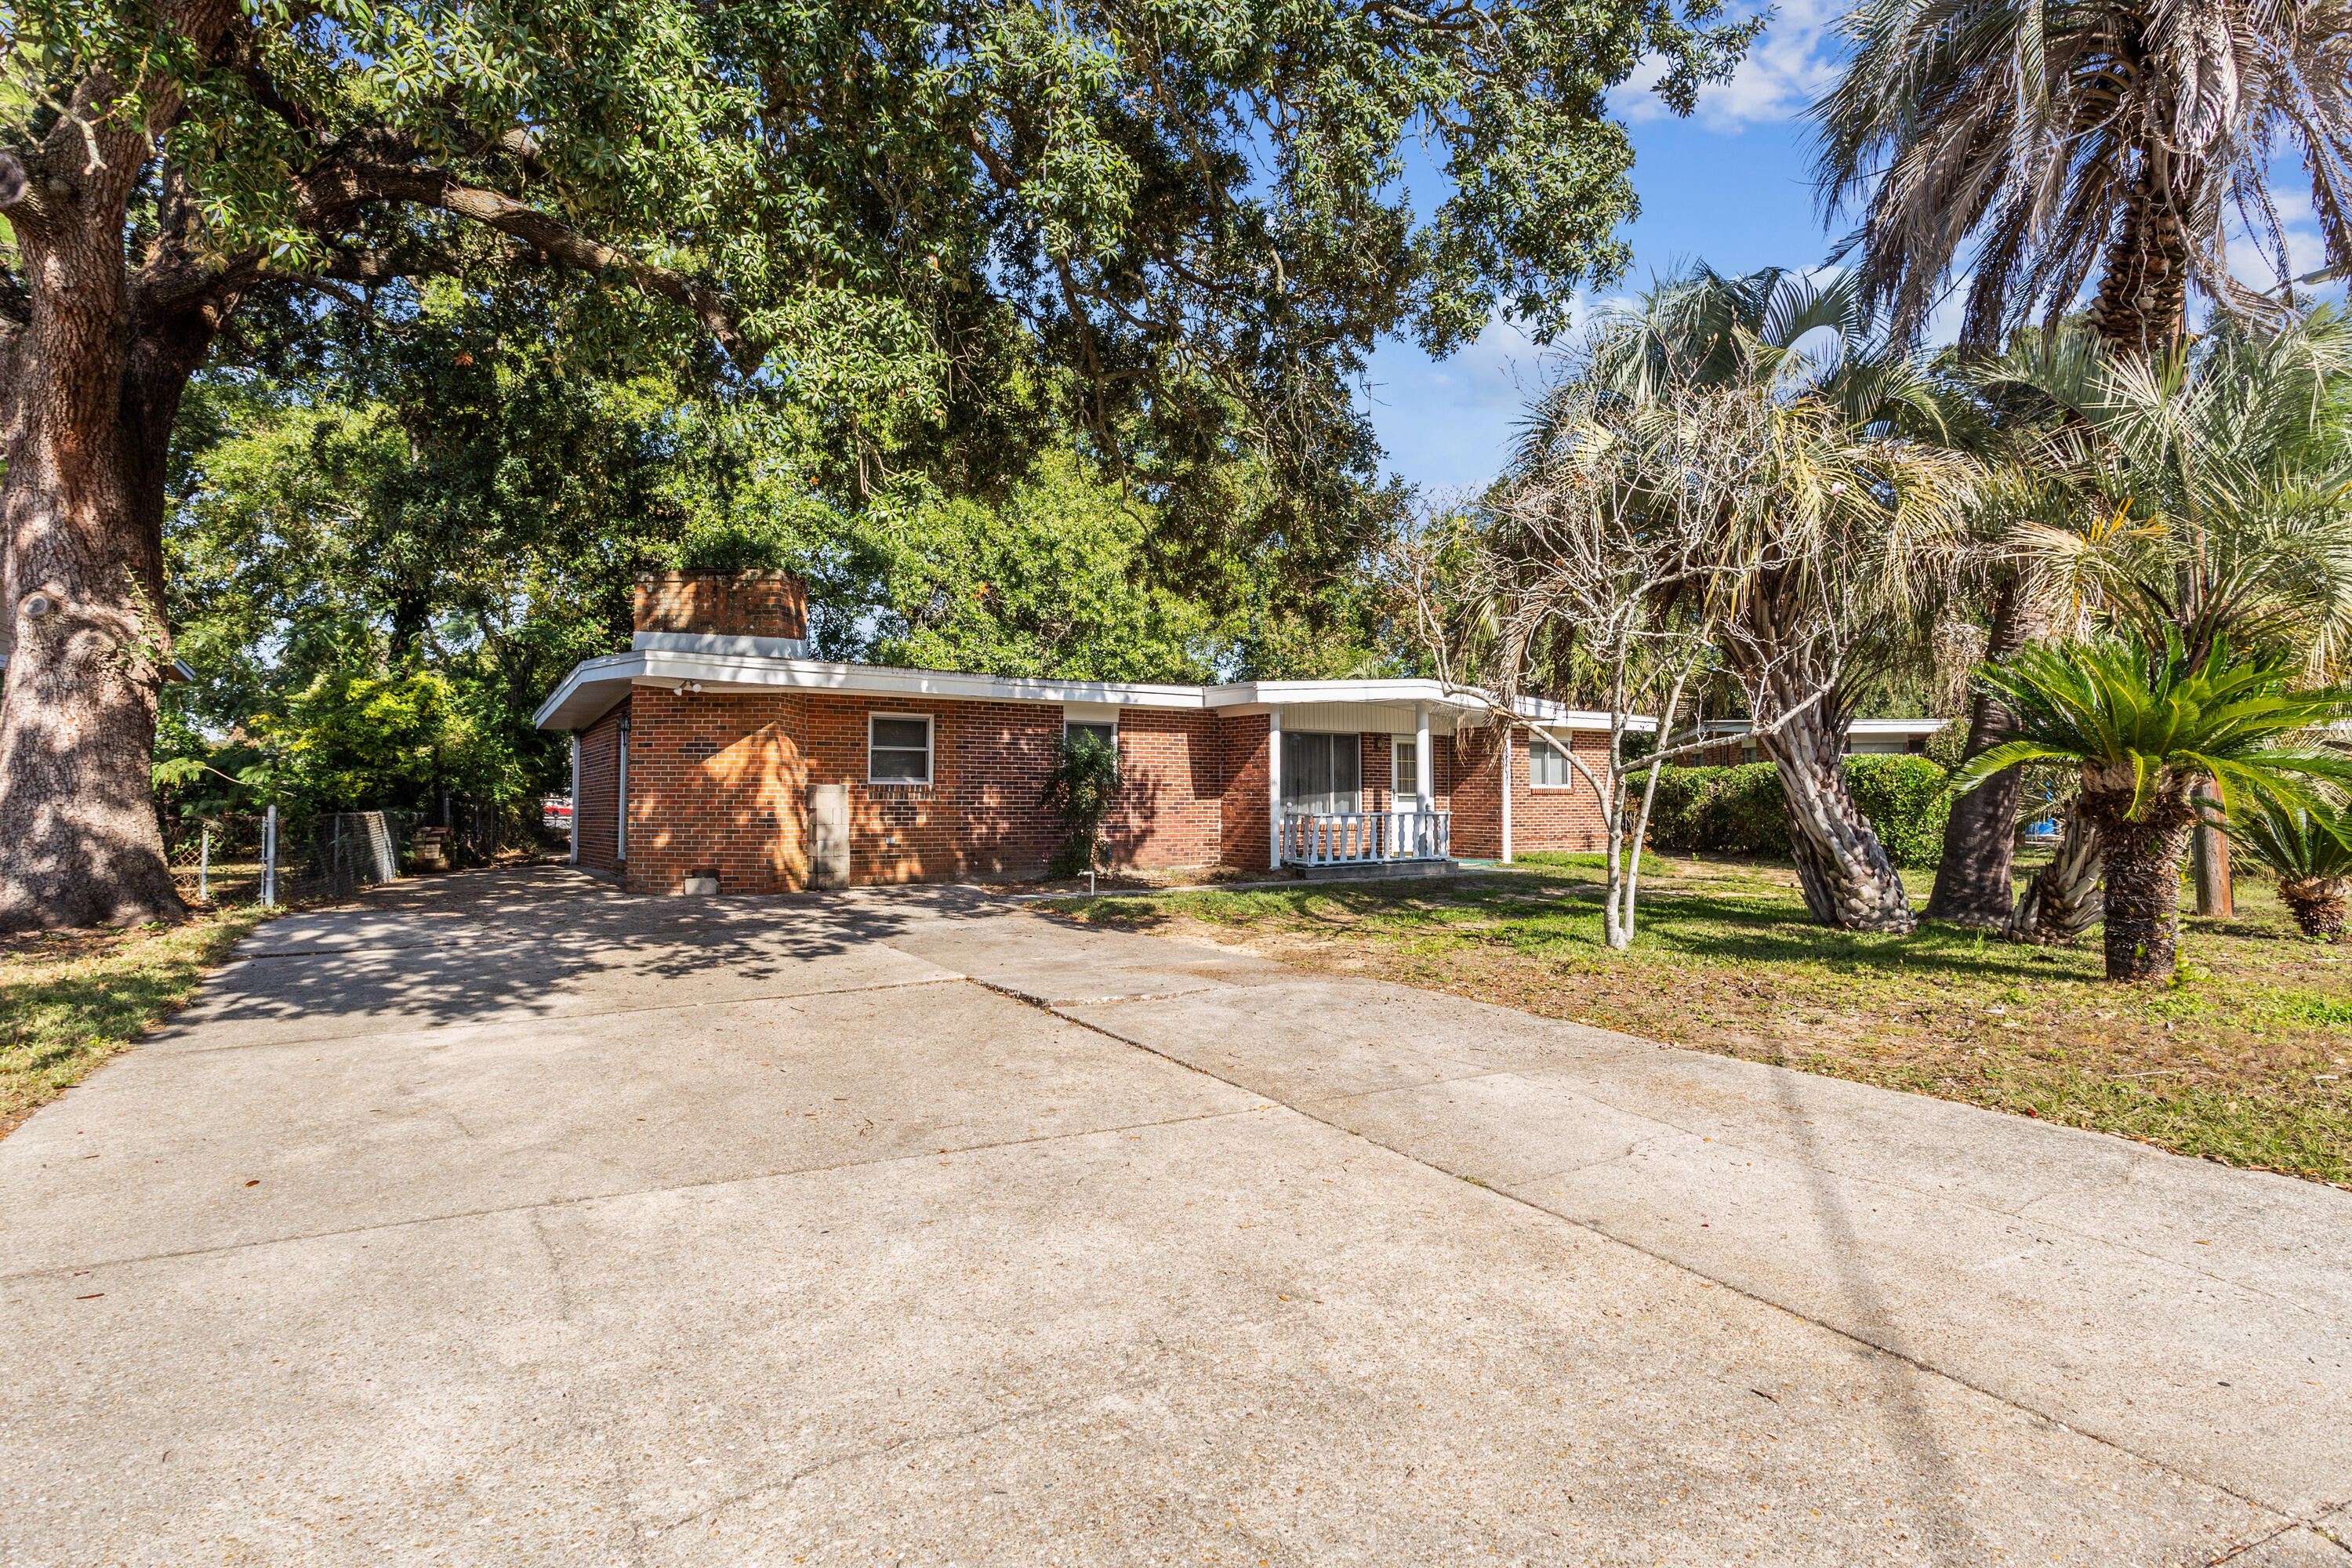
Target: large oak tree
{"type": "Point", "coordinates": [1167, 194]}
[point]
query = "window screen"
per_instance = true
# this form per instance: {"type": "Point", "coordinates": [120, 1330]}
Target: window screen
{"type": "Point", "coordinates": [1321, 775]}
{"type": "Point", "coordinates": [899, 751]}
{"type": "Point", "coordinates": [1546, 764]}
{"type": "Point", "coordinates": [1106, 733]}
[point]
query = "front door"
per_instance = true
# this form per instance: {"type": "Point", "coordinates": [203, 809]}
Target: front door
{"type": "Point", "coordinates": [1322, 776]}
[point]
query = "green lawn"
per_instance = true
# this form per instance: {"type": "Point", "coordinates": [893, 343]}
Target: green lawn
{"type": "Point", "coordinates": [70, 999]}
{"type": "Point", "coordinates": [2244, 1059]}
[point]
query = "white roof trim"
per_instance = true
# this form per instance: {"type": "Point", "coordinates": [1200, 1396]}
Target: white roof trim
{"type": "Point", "coordinates": [593, 686]}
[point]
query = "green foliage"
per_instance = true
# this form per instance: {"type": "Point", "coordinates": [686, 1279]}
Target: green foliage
{"type": "Point", "coordinates": [1734, 810]}
{"type": "Point", "coordinates": [2144, 717]}
{"type": "Point", "coordinates": [1906, 800]}
{"type": "Point", "coordinates": [948, 232]}
{"type": "Point", "coordinates": [2296, 844]}
{"type": "Point", "coordinates": [1081, 790]}
{"type": "Point", "coordinates": [1741, 810]}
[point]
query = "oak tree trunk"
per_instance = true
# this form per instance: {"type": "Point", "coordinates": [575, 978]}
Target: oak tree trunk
{"type": "Point", "coordinates": [2142, 860]}
{"type": "Point", "coordinates": [1973, 882]}
{"type": "Point", "coordinates": [1847, 878]}
{"type": "Point", "coordinates": [79, 842]}
{"type": "Point", "coordinates": [90, 389]}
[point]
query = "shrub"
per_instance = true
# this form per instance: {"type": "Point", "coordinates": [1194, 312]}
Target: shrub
{"type": "Point", "coordinates": [1726, 811]}
{"type": "Point", "coordinates": [1739, 810]}
{"type": "Point", "coordinates": [1079, 791]}
{"type": "Point", "coordinates": [1908, 800]}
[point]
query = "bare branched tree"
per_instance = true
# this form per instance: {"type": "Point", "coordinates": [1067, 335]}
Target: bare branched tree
{"type": "Point", "coordinates": [1640, 540]}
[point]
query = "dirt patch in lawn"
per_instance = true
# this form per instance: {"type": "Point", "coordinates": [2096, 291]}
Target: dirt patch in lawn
{"type": "Point", "coordinates": [2246, 1058]}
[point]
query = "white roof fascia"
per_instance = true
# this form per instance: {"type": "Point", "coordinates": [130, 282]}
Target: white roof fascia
{"type": "Point", "coordinates": [613, 673]}
{"type": "Point", "coordinates": [594, 685]}
{"type": "Point", "coordinates": [1896, 726]}
{"type": "Point", "coordinates": [1262, 696]}
{"type": "Point", "coordinates": [1859, 726]}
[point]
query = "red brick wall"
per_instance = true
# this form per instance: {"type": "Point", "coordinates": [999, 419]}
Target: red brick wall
{"type": "Point", "coordinates": [728, 603]}
{"type": "Point", "coordinates": [1172, 782]}
{"type": "Point", "coordinates": [1244, 831]}
{"type": "Point", "coordinates": [596, 814]}
{"type": "Point", "coordinates": [1566, 819]}
{"type": "Point", "coordinates": [1476, 795]}
{"type": "Point", "coordinates": [717, 783]}
{"type": "Point", "coordinates": [720, 782]}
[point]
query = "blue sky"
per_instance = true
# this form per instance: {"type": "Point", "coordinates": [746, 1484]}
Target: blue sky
{"type": "Point", "coordinates": [1730, 186]}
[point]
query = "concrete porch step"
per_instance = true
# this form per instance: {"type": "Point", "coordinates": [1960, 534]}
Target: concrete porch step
{"type": "Point", "coordinates": [1379, 871]}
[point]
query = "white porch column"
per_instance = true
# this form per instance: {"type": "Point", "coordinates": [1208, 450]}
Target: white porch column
{"type": "Point", "coordinates": [573, 821]}
{"type": "Point", "coordinates": [1273, 789]}
{"type": "Point", "coordinates": [621, 798]}
{"type": "Point", "coordinates": [1507, 781]}
{"type": "Point", "coordinates": [1423, 767]}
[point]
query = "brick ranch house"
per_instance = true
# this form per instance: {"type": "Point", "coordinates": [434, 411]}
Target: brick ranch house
{"type": "Point", "coordinates": [714, 748]}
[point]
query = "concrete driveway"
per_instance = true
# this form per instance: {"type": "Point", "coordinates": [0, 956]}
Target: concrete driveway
{"type": "Point", "coordinates": [507, 1219]}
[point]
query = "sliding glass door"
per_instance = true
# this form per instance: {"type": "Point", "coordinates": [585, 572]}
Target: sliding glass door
{"type": "Point", "coordinates": [1321, 775]}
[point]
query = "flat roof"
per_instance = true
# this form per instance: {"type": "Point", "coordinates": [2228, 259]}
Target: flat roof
{"type": "Point", "coordinates": [594, 686]}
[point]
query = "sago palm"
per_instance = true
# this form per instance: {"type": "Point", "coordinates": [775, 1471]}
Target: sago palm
{"type": "Point", "coordinates": [2309, 850]}
{"type": "Point", "coordinates": [2034, 144]}
{"type": "Point", "coordinates": [2145, 722]}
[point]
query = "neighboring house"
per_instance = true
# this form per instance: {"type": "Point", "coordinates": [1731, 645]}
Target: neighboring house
{"type": "Point", "coordinates": [714, 747]}
{"type": "Point", "coordinates": [1866, 737]}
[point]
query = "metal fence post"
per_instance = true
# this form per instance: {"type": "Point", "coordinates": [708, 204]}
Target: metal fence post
{"type": "Point", "coordinates": [269, 859]}
{"type": "Point", "coordinates": [204, 868]}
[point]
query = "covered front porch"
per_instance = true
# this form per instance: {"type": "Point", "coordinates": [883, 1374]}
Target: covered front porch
{"type": "Point", "coordinates": [1359, 788]}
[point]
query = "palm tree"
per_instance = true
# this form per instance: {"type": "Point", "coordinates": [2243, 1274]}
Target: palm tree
{"type": "Point", "coordinates": [2074, 138]}
{"type": "Point", "coordinates": [2309, 850]}
{"type": "Point", "coordinates": [2208, 489]}
{"type": "Point", "coordinates": [2144, 721]}
{"type": "Point", "coordinates": [1840, 525]}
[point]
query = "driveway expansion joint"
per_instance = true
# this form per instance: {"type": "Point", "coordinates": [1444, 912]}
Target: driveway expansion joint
{"type": "Point", "coordinates": [1590, 1228]}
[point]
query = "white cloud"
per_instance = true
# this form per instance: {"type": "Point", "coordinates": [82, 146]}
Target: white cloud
{"type": "Point", "coordinates": [1789, 65]}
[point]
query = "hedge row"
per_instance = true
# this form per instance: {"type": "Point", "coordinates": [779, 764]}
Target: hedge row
{"type": "Point", "coordinates": [1739, 811]}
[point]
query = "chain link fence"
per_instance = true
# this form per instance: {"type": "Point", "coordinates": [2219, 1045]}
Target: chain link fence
{"type": "Point", "coordinates": [292, 854]}
{"type": "Point", "coordinates": [276, 857]}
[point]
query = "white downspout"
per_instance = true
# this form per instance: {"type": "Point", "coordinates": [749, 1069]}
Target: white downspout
{"type": "Point", "coordinates": [573, 820]}
{"type": "Point", "coordinates": [1507, 794]}
{"type": "Point", "coordinates": [1273, 789]}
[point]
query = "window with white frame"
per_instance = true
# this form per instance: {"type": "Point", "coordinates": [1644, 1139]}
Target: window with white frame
{"type": "Point", "coordinates": [1106, 731]}
{"type": "Point", "coordinates": [1546, 764]}
{"type": "Point", "coordinates": [898, 749]}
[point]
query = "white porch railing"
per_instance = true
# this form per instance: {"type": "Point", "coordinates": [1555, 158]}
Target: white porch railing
{"type": "Point", "coordinates": [1360, 838]}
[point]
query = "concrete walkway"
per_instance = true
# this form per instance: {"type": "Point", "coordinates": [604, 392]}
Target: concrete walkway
{"type": "Point", "coordinates": [510, 1220]}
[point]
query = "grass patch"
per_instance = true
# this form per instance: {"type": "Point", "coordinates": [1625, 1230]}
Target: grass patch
{"type": "Point", "coordinates": [70, 999]}
{"type": "Point", "coordinates": [2245, 1058]}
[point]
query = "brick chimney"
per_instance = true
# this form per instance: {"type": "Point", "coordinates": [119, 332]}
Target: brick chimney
{"type": "Point", "coordinates": [723, 604]}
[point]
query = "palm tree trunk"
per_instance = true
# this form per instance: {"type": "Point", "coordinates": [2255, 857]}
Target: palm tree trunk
{"type": "Point", "coordinates": [1973, 884]}
{"type": "Point", "coordinates": [2063, 902]}
{"type": "Point", "coordinates": [2143, 880]}
{"type": "Point", "coordinates": [1848, 880]}
{"type": "Point", "coordinates": [2317, 905]}
{"type": "Point", "coordinates": [2143, 303]}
